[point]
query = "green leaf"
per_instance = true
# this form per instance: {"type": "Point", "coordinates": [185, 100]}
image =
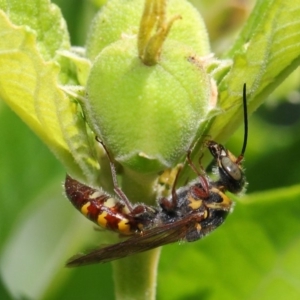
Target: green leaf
{"type": "Point", "coordinates": [265, 53]}
{"type": "Point", "coordinates": [44, 19]}
{"type": "Point", "coordinates": [30, 86]}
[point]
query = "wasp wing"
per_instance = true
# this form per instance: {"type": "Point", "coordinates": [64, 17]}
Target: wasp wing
{"type": "Point", "coordinates": [152, 238]}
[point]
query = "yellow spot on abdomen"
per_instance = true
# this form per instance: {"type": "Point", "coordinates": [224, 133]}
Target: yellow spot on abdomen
{"type": "Point", "coordinates": [124, 227]}
{"type": "Point", "coordinates": [95, 195]}
{"type": "Point", "coordinates": [84, 208]}
{"type": "Point", "coordinates": [110, 202]}
{"type": "Point", "coordinates": [101, 219]}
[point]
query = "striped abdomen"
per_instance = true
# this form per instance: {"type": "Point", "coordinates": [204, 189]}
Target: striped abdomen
{"type": "Point", "coordinates": [99, 207]}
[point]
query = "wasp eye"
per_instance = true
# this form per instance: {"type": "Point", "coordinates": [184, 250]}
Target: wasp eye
{"type": "Point", "coordinates": [231, 168]}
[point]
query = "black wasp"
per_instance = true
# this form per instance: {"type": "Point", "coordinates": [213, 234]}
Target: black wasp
{"type": "Point", "coordinates": [190, 213]}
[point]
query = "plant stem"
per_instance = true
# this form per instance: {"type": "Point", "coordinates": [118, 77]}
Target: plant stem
{"type": "Point", "coordinates": [135, 276]}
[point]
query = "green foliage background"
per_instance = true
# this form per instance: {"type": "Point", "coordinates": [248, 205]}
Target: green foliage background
{"type": "Point", "coordinates": [254, 255]}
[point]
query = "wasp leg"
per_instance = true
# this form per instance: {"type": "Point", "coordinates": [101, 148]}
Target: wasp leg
{"type": "Point", "coordinates": [202, 177]}
{"type": "Point", "coordinates": [117, 188]}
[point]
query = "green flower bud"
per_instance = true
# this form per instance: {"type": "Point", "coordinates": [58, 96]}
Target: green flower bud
{"type": "Point", "coordinates": [147, 115]}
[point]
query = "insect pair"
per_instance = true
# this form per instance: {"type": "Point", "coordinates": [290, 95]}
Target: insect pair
{"type": "Point", "coordinates": [190, 213]}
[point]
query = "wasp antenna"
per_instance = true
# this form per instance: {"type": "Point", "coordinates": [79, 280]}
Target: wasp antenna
{"type": "Point", "coordinates": [245, 108]}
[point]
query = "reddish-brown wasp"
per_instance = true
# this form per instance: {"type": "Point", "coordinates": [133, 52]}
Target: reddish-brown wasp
{"type": "Point", "coordinates": [190, 213]}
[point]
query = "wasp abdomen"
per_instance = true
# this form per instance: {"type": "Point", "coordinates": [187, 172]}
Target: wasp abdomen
{"type": "Point", "coordinates": [99, 207]}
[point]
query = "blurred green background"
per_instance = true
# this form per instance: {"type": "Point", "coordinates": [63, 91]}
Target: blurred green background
{"type": "Point", "coordinates": [254, 255]}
